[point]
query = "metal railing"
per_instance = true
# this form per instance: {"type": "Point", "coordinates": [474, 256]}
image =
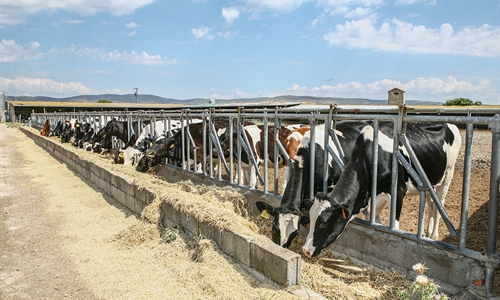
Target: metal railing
{"type": "Point", "coordinates": [313, 115]}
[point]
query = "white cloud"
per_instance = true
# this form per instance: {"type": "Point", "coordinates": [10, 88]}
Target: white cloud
{"type": "Point", "coordinates": [12, 52]}
{"type": "Point", "coordinates": [131, 25]}
{"type": "Point", "coordinates": [142, 58]}
{"type": "Point", "coordinates": [403, 37]}
{"type": "Point", "coordinates": [358, 13]}
{"type": "Point", "coordinates": [275, 5]}
{"type": "Point", "coordinates": [410, 2]}
{"type": "Point", "coordinates": [330, 5]}
{"type": "Point", "coordinates": [132, 33]}
{"type": "Point", "coordinates": [294, 62]}
{"type": "Point", "coordinates": [74, 21]}
{"type": "Point", "coordinates": [228, 34]}
{"type": "Point", "coordinates": [203, 33]}
{"type": "Point", "coordinates": [40, 86]}
{"type": "Point", "coordinates": [430, 89]}
{"type": "Point", "coordinates": [16, 11]}
{"type": "Point", "coordinates": [230, 14]}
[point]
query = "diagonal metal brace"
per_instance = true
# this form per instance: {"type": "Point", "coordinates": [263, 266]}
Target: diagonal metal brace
{"type": "Point", "coordinates": [218, 148]}
{"type": "Point", "coordinates": [246, 146]}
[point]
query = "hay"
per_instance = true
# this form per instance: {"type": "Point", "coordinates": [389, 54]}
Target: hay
{"type": "Point", "coordinates": [198, 262]}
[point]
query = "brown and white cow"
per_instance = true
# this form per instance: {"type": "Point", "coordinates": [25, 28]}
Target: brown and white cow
{"type": "Point", "coordinates": [46, 128]}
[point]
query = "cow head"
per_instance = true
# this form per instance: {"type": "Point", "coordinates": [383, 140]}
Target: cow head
{"type": "Point", "coordinates": [328, 221]}
{"type": "Point", "coordinates": [289, 214]}
{"type": "Point", "coordinates": [163, 147]}
{"type": "Point", "coordinates": [285, 225]}
{"type": "Point", "coordinates": [66, 132]}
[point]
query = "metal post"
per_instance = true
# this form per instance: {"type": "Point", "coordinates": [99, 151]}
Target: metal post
{"type": "Point", "coordinates": [466, 186]}
{"type": "Point", "coordinates": [312, 151]}
{"type": "Point", "coordinates": [373, 199]}
{"type": "Point", "coordinates": [266, 154]}
{"type": "Point", "coordinates": [493, 203]}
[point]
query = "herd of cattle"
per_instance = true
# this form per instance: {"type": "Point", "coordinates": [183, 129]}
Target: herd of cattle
{"type": "Point", "coordinates": [349, 165]}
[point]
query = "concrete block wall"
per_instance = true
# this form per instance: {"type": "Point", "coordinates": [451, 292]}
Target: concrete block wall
{"type": "Point", "coordinates": [263, 258]}
{"type": "Point", "coordinates": [456, 274]}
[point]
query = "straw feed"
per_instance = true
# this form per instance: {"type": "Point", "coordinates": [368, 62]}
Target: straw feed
{"type": "Point", "coordinates": [200, 260]}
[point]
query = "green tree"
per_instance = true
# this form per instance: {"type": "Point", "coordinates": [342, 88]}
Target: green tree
{"type": "Point", "coordinates": [104, 101]}
{"type": "Point", "coordinates": [462, 102]}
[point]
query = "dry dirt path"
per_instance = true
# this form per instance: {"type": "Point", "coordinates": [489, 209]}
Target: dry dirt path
{"type": "Point", "coordinates": [58, 240]}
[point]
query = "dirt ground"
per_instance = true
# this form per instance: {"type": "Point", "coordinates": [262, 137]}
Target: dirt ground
{"type": "Point", "coordinates": [58, 240]}
{"type": "Point", "coordinates": [56, 231]}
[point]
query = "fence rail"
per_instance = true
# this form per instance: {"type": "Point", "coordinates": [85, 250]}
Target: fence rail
{"type": "Point", "coordinates": [314, 115]}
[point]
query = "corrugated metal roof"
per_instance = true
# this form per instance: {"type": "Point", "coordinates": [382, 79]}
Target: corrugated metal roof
{"type": "Point", "coordinates": [143, 106]}
{"type": "Point", "coordinates": [92, 104]}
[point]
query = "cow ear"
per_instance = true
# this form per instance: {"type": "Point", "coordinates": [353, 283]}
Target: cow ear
{"type": "Point", "coordinates": [308, 203]}
{"type": "Point", "coordinates": [342, 211]}
{"type": "Point", "coordinates": [322, 196]}
{"type": "Point", "coordinates": [265, 209]}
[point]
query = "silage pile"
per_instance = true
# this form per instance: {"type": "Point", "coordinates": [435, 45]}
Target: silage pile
{"type": "Point", "coordinates": [225, 208]}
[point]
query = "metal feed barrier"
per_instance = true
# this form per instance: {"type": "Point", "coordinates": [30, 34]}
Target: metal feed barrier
{"type": "Point", "coordinates": [314, 115]}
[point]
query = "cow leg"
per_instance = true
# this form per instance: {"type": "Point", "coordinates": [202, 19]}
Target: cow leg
{"type": "Point", "coordinates": [380, 201]}
{"type": "Point", "coordinates": [198, 168]}
{"type": "Point", "coordinates": [286, 177]}
{"type": "Point", "coordinates": [433, 213]}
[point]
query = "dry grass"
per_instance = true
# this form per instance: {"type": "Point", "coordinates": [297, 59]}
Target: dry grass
{"type": "Point", "coordinates": [200, 261]}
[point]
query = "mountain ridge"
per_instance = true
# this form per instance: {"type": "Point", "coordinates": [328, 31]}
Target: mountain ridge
{"type": "Point", "coordinates": [153, 99]}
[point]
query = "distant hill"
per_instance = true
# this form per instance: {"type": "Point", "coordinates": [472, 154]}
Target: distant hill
{"type": "Point", "coordinates": [130, 98]}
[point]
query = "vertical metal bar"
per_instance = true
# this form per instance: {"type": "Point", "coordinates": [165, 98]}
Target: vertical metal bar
{"type": "Point", "coordinates": [238, 145]}
{"type": "Point", "coordinates": [394, 175]}
{"type": "Point", "coordinates": [276, 140]}
{"type": "Point", "coordinates": [231, 163]}
{"type": "Point", "coordinates": [493, 204]}
{"type": "Point", "coordinates": [207, 118]}
{"type": "Point", "coordinates": [183, 142]}
{"type": "Point", "coordinates": [266, 154]}
{"type": "Point", "coordinates": [326, 129]}
{"type": "Point", "coordinates": [312, 150]}
{"type": "Point", "coordinates": [466, 186]}
{"type": "Point", "coordinates": [373, 205]}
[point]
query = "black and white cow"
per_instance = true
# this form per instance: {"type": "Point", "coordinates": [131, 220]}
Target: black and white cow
{"type": "Point", "coordinates": [293, 210]}
{"type": "Point", "coordinates": [171, 147]}
{"type": "Point", "coordinates": [69, 128]}
{"type": "Point", "coordinates": [79, 132]}
{"type": "Point", "coordinates": [436, 147]}
{"type": "Point", "coordinates": [58, 129]}
{"type": "Point", "coordinates": [86, 137]}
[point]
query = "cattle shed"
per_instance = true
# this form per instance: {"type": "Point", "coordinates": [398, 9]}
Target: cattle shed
{"type": "Point", "coordinates": [21, 110]}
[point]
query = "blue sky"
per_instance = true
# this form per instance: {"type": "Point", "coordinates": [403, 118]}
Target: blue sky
{"type": "Point", "coordinates": [433, 49]}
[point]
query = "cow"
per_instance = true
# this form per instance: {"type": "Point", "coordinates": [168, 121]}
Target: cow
{"type": "Point", "coordinates": [132, 155]}
{"type": "Point", "coordinates": [436, 146]}
{"type": "Point", "coordinates": [67, 132]}
{"type": "Point", "coordinates": [46, 128]}
{"type": "Point", "coordinates": [86, 137]}
{"type": "Point", "coordinates": [289, 137]}
{"type": "Point", "coordinates": [171, 147]}
{"type": "Point", "coordinates": [102, 141]}
{"type": "Point", "coordinates": [119, 129]}
{"type": "Point", "coordinates": [57, 130]}
{"type": "Point", "coordinates": [293, 208]}
{"type": "Point", "coordinates": [79, 132]}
